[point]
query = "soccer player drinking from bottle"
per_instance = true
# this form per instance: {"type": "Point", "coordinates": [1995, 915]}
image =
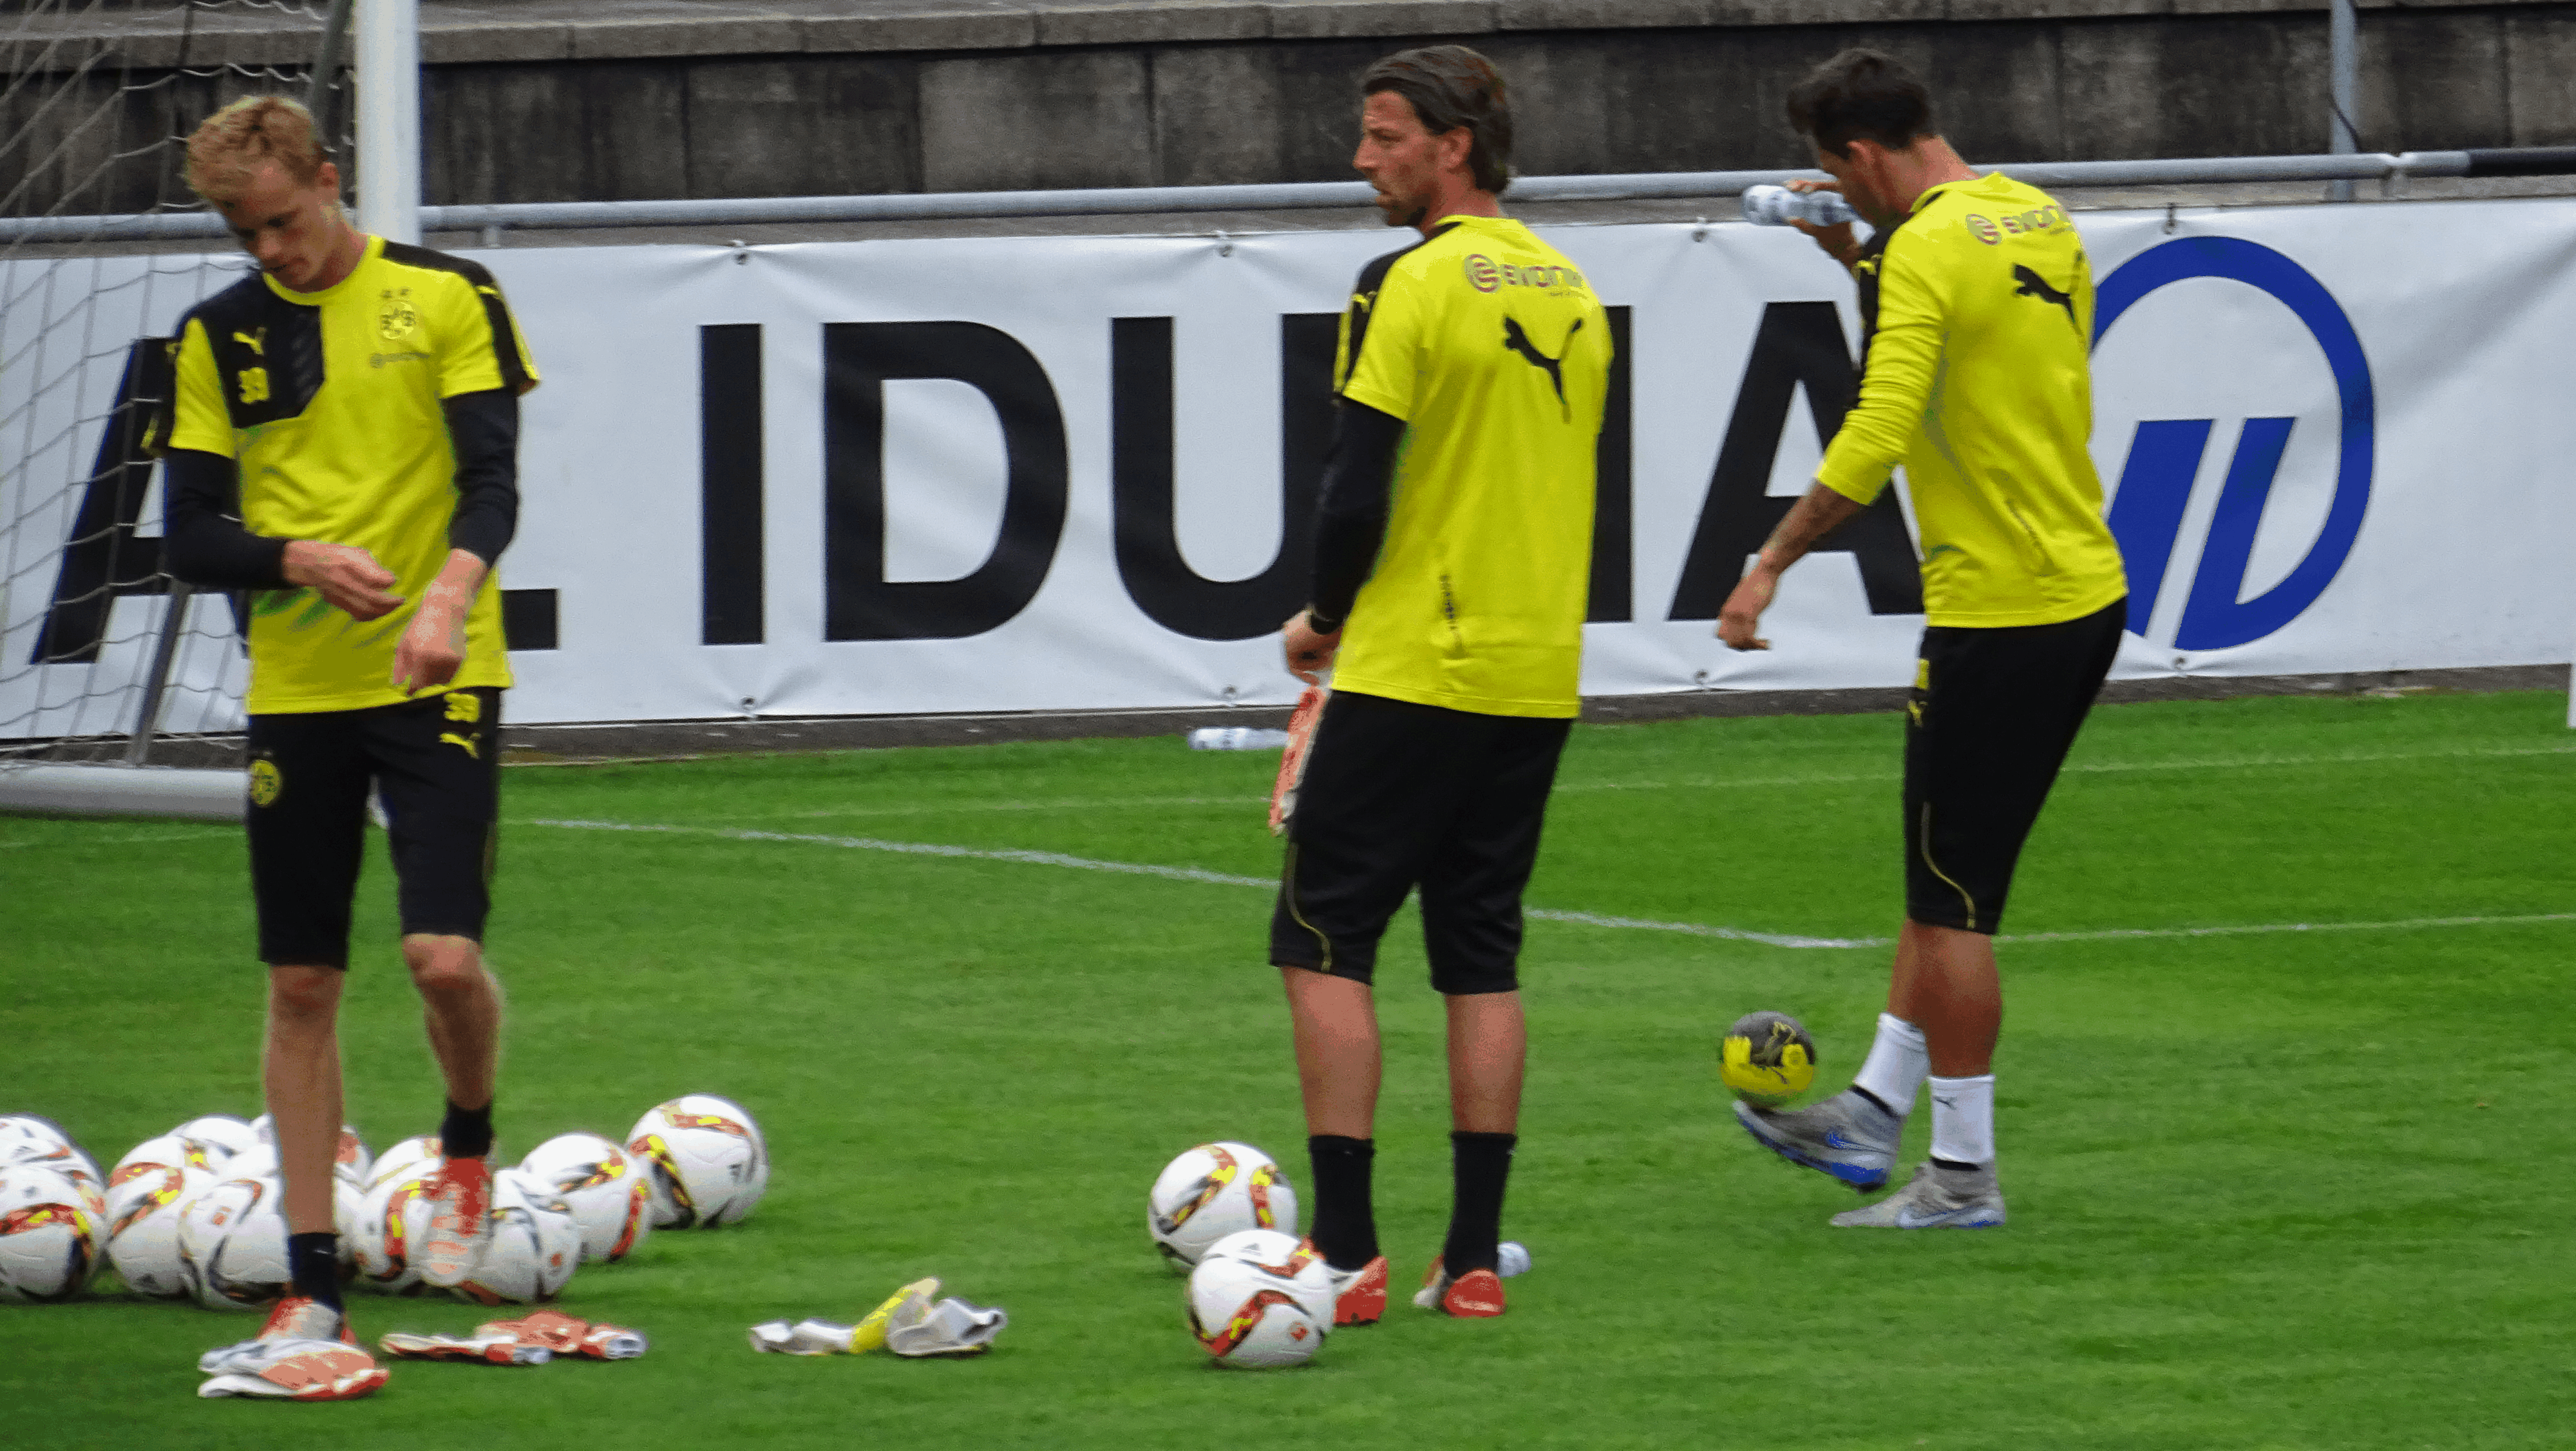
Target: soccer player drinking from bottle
{"type": "Point", "coordinates": [1976, 315]}
{"type": "Point", "coordinates": [1452, 556]}
{"type": "Point", "coordinates": [343, 445]}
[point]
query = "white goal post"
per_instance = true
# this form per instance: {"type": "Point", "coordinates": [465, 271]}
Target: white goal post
{"type": "Point", "coordinates": [101, 653]}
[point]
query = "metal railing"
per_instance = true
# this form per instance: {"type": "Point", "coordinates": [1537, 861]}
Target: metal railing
{"type": "Point", "coordinates": [2393, 170]}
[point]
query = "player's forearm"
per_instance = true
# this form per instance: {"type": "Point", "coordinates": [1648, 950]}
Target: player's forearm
{"type": "Point", "coordinates": [452, 593]}
{"type": "Point", "coordinates": [1351, 513]}
{"type": "Point", "coordinates": [483, 429]}
{"type": "Point", "coordinates": [201, 542]}
{"type": "Point", "coordinates": [1819, 513]}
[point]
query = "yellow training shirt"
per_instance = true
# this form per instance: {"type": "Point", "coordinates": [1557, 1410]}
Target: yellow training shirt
{"type": "Point", "coordinates": [1978, 316]}
{"type": "Point", "coordinates": [328, 404]}
{"type": "Point", "coordinates": [1491, 347]}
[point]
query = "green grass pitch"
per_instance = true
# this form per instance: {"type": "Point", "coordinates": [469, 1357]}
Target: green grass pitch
{"type": "Point", "coordinates": [2269, 1189]}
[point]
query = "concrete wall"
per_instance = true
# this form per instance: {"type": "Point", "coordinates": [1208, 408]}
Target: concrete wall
{"type": "Point", "coordinates": [539, 100]}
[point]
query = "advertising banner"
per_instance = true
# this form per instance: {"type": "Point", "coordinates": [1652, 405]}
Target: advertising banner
{"type": "Point", "coordinates": [1069, 473]}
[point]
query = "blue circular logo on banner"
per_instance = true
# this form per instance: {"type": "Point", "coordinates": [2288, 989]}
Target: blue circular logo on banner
{"type": "Point", "coordinates": [2147, 511]}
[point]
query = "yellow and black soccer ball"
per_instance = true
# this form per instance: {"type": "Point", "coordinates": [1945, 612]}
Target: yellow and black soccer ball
{"type": "Point", "coordinates": [1767, 1058]}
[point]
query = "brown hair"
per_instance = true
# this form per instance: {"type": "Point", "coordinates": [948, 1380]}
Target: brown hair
{"type": "Point", "coordinates": [1450, 86]}
{"type": "Point", "coordinates": [1861, 93]}
{"type": "Point", "coordinates": [230, 146]}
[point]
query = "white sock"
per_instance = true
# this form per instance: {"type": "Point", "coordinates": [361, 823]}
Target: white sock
{"type": "Point", "coordinates": [1896, 1064]}
{"type": "Point", "coordinates": [1963, 1120]}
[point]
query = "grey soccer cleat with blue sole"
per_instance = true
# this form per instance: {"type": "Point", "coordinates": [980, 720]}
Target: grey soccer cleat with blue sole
{"type": "Point", "coordinates": [1937, 1197]}
{"type": "Point", "coordinates": [1847, 1136]}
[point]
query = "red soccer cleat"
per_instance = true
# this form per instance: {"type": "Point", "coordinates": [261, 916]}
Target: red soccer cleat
{"type": "Point", "coordinates": [460, 1222]}
{"type": "Point", "coordinates": [1475, 1295]}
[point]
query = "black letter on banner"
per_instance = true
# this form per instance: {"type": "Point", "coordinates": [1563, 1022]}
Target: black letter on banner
{"type": "Point", "coordinates": [1612, 529]}
{"type": "Point", "coordinates": [1142, 507]}
{"type": "Point", "coordinates": [729, 485]}
{"type": "Point", "coordinates": [105, 558]}
{"type": "Point", "coordinates": [1799, 343]}
{"type": "Point", "coordinates": [859, 358]}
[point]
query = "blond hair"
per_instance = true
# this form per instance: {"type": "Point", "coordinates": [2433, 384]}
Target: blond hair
{"type": "Point", "coordinates": [231, 146]}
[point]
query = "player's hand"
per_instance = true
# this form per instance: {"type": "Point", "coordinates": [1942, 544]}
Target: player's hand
{"type": "Point", "coordinates": [347, 577]}
{"type": "Point", "coordinates": [1742, 614]}
{"type": "Point", "coordinates": [1309, 654]}
{"type": "Point", "coordinates": [432, 649]}
{"type": "Point", "coordinates": [1837, 240]}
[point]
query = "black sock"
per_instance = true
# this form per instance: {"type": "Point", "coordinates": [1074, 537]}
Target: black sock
{"type": "Point", "coordinates": [314, 1260]}
{"type": "Point", "coordinates": [1479, 1165]}
{"type": "Point", "coordinates": [1345, 1226]}
{"type": "Point", "coordinates": [467, 1133]}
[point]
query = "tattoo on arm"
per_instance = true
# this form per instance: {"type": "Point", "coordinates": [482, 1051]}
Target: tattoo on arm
{"type": "Point", "coordinates": [1813, 517]}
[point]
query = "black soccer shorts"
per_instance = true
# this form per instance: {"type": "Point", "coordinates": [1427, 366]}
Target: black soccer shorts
{"type": "Point", "coordinates": [434, 762]}
{"type": "Point", "coordinates": [1398, 796]}
{"type": "Point", "coordinates": [1991, 717]}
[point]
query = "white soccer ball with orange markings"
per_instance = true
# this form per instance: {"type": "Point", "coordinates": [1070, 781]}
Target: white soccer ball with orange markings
{"type": "Point", "coordinates": [1261, 1300]}
{"type": "Point", "coordinates": [409, 1154]}
{"type": "Point", "coordinates": [144, 1199]}
{"type": "Point", "coordinates": [533, 1252]}
{"type": "Point", "coordinates": [391, 1221]}
{"type": "Point", "coordinates": [232, 1239]}
{"type": "Point", "coordinates": [704, 1158]}
{"type": "Point", "coordinates": [50, 1241]}
{"type": "Point", "coordinates": [601, 1186]}
{"type": "Point", "coordinates": [174, 1149]}
{"type": "Point", "coordinates": [230, 1134]}
{"type": "Point", "coordinates": [1212, 1191]}
{"type": "Point", "coordinates": [26, 1138]}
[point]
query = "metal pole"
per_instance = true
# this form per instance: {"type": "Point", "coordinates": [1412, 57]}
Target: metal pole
{"type": "Point", "coordinates": [389, 119]}
{"type": "Point", "coordinates": [2343, 43]}
{"type": "Point", "coordinates": [322, 92]}
{"type": "Point", "coordinates": [174, 623]}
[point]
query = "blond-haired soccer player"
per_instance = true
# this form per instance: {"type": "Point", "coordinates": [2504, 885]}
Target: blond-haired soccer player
{"type": "Point", "coordinates": [1452, 555]}
{"type": "Point", "coordinates": [1976, 313]}
{"type": "Point", "coordinates": [343, 445]}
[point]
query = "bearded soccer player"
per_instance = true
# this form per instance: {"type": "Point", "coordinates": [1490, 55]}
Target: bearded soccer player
{"type": "Point", "coordinates": [1977, 314]}
{"type": "Point", "coordinates": [343, 445]}
{"type": "Point", "coordinates": [1452, 555]}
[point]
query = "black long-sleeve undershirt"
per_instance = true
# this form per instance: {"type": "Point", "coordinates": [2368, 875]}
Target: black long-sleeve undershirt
{"type": "Point", "coordinates": [1351, 512]}
{"type": "Point", "coordinates": [206, 544]}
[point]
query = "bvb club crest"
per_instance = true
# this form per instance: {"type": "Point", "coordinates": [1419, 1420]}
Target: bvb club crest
{"type": "Point", "coordinates": [265, 782]}
{"type": "Point", "coordinates": [396, 319]}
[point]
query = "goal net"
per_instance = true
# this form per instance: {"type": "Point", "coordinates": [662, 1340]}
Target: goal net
{"type": "Point", "coordinates": [102, 249]}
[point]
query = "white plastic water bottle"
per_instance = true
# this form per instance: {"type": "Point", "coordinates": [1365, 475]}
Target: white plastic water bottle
{"type": "Point", "coordinates": [1775, 206]}
{"type": "Point", "coordinates": [1236, 738]}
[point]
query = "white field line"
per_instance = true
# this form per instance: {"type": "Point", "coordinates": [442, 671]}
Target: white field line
{"type": "Point", "coordinates": [1586, 919]}
{"type": "Point", "coordinates": [221, 833]}
{"type": "Point", "coordinates": [1143, 869]}
{"type": "Point", "coordinates": [2086, 768]}
{"type": "Point", "coordinates": [2214, 763]}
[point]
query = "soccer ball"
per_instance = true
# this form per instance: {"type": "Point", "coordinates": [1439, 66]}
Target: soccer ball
{"type": "Point", "coordinates": [600, 1186]}
{"type": "Point", "coordinates": [1212, 1191]}
{"type": "Point", "coordinates": [1258, 1298]}
{"type": "Point", "coordinates": [174, 1150]}
{"type": "Point", "coordinates": [350, 1161]}
{"type": "Point", "coordinates": [418, 1149]}
{"type": "Point", "coordinates": [704, 1158]}
{"type": "Point", "coordinates": [49, 1239]}
{"type": "Point", "coordinates": [259, 1161]}
{"type": "Point", "coordinates": [231, 1134]}
{"type": "Point", "coordinates": [534, 1249]}
{"type": "Point", "coordinates": [232, 1239]}
{"type": "Point", "coordinates": [26, 1138]}
{"type": "Point", "coordinates": [143, 1203]}
{"type": "Point", "coordinates": [391, 1218]}
{"type": "Point", "coordinates": [1767, 1058]}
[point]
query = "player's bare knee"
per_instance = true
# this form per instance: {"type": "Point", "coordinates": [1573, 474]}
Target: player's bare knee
{"type": "Point", "coordinates": [445, 967]}
{"type": "Point", "coordinates": [304, 994]}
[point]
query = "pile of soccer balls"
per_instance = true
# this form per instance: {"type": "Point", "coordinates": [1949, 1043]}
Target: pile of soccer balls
{"type": "Point", "coordinates": [198, 1213]}
{"type": "Point", "coordinates": [1226, 1215]}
